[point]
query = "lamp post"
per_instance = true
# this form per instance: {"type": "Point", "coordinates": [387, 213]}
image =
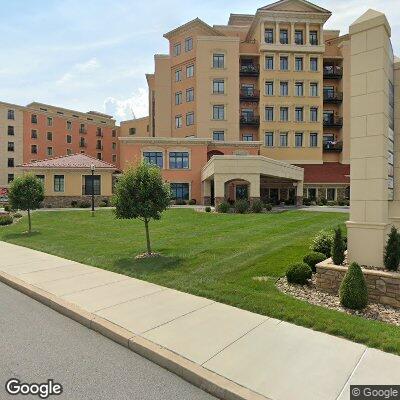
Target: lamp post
{"type": "Point", "coordinates": [92, 168]}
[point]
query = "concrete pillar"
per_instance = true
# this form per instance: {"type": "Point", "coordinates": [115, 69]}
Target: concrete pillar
{"type": "Point", "coordinates": [307, 41]}
{"type": "Point", "coordinates": [276, 32]}
{"type": "Point", "coordinates": [292, 33]}
{"type": "Point", "coordinates": [371, 72]}
{"type": "Point", "coordinates": [262, 32]}
{"type": "Point", "coordinates": [206, 192]}
{"type": "Point", "coordinates": [299, 193]}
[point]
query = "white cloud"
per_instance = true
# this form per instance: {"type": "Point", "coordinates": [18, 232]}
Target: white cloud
{"type": "Point", "coordinates": [137, 105]}
{"type": "Point", "coordinates": [78, 70]}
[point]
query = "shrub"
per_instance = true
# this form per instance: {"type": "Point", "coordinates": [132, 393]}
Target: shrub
{"type": "Point", "coordinates": [289, 202]}
{"type": "Point", "coordinates": [5, 220]}
{"type": "Point", "coordinates": [103, 204]}
{"type": "Point", "coordinates": [312, 259]}
{"type": "Point", "coordinates": [241, 206]}
{"type": "Point", "coordinates": [180, 202]}
{"type": "Point", "coordinates": [17, 215]}
{"type": "Point", "coordinates": [322, 201]}
{"type": "Point", "coordinates": [338, 247]}
{"type": "Point", "coordinates": [257, 206]}
{"type": "Point", "coordinates": [74, 203]}
{"type": "Point", "coordinates": [268, 207]}
{"type": "Point", "coordinates": [343, 202]}
{"type": "Point", "coordinates": [106, 201]}
{"type": "Point", "coordinates": [331, 203]}
{"type": "Point", "coordinates": [392, 251]}
{"type": "Point", "coordinates": [208, 209]}
{"type": "Point", "coordinates": [84, 204]}
{"type": "Point", "coordinates": [223, 207]}
{"type": "Point", "coordinates": [307, 201]}
{"type": "Point", "coordinates": [299, 273]}
{"type": "Point", "coordinates": [322, 243]}
{"type": "Point", "coordinates": [353, 289]}
{"type": "Point", "coordinates": [7, 208]}
{"type": "Point", "coordinates": [192, 202]}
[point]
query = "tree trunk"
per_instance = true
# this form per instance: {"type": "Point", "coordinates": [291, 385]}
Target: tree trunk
{"type": "Point", "coordinates": [29, 221]}
{"type": "Point", "coordinates": [146, 224]}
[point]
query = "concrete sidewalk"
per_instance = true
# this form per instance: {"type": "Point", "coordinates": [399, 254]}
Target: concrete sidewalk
{"type": "Point", "coordinates": [276, 359]}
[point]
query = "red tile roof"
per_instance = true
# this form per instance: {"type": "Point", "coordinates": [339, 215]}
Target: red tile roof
{"type": "Point", "coordinates": [71, 161]}
{"type": "Point", "coordinates": [330, 172]}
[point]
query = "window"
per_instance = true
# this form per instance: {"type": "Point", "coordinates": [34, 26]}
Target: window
{"type": "Point", "coordinates": [132, 131]}
{"type": "Point", "coordinates": [314, 38]}
{"type": "Point", "coordinates": [49, 136]}
{"type": "Point", "coordinates": [34, 119]}
{"type": "Point", "coordinates": [299, 89]}
{"type": "Point", "coordinates": [298, 64]}
{"type": "Point", "coordinates": [10, 146]}
{"type": "Point", "coordinates": [219, 135]}
{"type": "Point", "coordinates": [219, 112]}
{"type": "Point", "coordinates": [189, 71]}
{"type": "Point", "coordinates": [10, 163]}
{"type": "Point", "coordinates": [218, 86]}
{"type": "Point", "coordinates": [178, 75]}
{"type": "Point", "coordinates": [10, 131]}
{"type": "Point", "coordinates": [10, 178]}
{"type": "Point", "coordinates": [269, 139]}
{"type": "Point", "coordinates": [179, 191]}
{"type": "Point", "coordinates": [218, 61]}
{"type": "Point", "coordinates": [283, 139]}
{"type": "Point", "coordinates": [189, 94]}
{"type": "Point", "coordinates": [178, 98]}
{"type": "Point", "coordinates": [313, 139]}
{"type": "Point", "coordinates": [34, 134]}
{"type": "Point", "coordinates": [33, 149]}
{"type": "Point", "coordinates": [299, 114]}
{"type": "Point", "coordinates": [49, 121]}
{"type": "Point", "coordinates": [247, 137]}
{"type": "Point", "coordinates": [269, 35]}
{"type": "Point", "coordinates": [179, 160]}
{"type": "Point", "coordinates": [312, 193]}
{"type": "Point", "coordinates": [188, 44]}
{"type": "Point", "coordinates": [11, 114]}
{"type": "Point", "coordinates": [69, 152]}
{"type": "Point", "coordinates": [331, 194]}
{"type": "Point", "coordinates": [92, 185]}
{"type": "Point", "coordinates": [269, 88]}
{"type": "Point", "coordinates": [154, 157]}
{"type": "Point", "coordinates": [114, 133]}
{"type": "Point", "coordinates": [114, 145]}
{"type": "Point", "coordinates": [69, 125]}
{"type": "Point", "coordinates": [314, 114]}
{"type": "Point", "coordinates": [99, 156]}
{"type": "Point", "coordinates": [269, 62]}
{"type": "Point", "coordinates": [178, 121]}
{"type": "Point", "coordinates": [314, 64]}
{"type": "Point", "coordinates": [298, 37]}
{"type": "Point", "coordinates": [177, 49]}
{"type": "Point", "coordinates": [314, 89]}
{"type": "Point", "coordinates": [283, 36]}
{"type": "Point", "coordinates": [189, 118]}
{"type": "Point", "coordinates": [82, 128]}
{"type": "Point", "coordinates": [284, 114]}
{"type": "Point", "coordinates": [284, 63]}
{"type": "Point", "coordinates": [49, 151]}
{"type": "Point", "coordinates": [298, 139]}
{"type": "Point", "coordinates": [284, 88]}
{"type": "Point", "coordinates": [114, 158]}
{"type": "Point", "coordinates": [269, 113]}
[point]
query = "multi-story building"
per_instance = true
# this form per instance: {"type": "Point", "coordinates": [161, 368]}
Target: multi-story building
{"type": "Point", "coordinates": [274, 83]}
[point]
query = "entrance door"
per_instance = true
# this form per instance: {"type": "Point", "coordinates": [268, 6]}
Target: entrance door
{"type": "Point", "coordinates": [242, 192]}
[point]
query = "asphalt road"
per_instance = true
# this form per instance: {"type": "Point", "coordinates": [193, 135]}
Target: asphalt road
{"type": "Point", "coordinates": [37, 344]}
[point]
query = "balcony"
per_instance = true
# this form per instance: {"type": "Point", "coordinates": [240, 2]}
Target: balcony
{"type": "Point", "coordinates": [249, 95]}
{"type": "Point", "coordinates": [333, 147]}
{"type": "Point", "coordinates": [249, 70]}
{"type": "Point", "coordinates": [82, 130]}
{"type": "Point", "coordinates": [333, 97]}
{"type": "Point", "coordinates": [82, 144]}
{"type": "Point", "coordinates": [333, 72]}
{"type": "Point", "coordinates": [333, 122]}
{"type": "Point", "coordinates": [250, 120]}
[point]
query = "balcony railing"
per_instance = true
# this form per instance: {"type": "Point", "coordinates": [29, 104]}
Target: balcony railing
{"type": "Point", "coordinates": [333, 122]}
{"type": "Point", "coordinates": [82, 130]}
{"type": "Point", "coordinates": [82, 144]}
{"type": "Point", "coordinates": [333, 97]}
{"type": "Point", "coordinates": [333, 147]}
{"type": "Point", "coordinates": [253, 120]}
{"type": "Point", "coordinates": [249, 70]}
{"type": "Point", "coordinates": [99, 134]}
{"type": "Point", "coordinates": [333, 72]}
{"type": "Point", "coordinates": [249, 95]}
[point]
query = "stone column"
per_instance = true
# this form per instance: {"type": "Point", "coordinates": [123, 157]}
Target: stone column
{"type": "Point", "coordinates": [307, 41]}
{"type": "Point", "coordinates": [206, 192]}
{"type": "Point", "coordinates": [371, 72]}
{"type": "Point", "coordinates": [277, 32]}
{"type": "Point", "coordinates": [219, 190]}
{"type": "Point", "coordinates": [292, 33]}
{"type": "Point", "coordinates": [299, 193]}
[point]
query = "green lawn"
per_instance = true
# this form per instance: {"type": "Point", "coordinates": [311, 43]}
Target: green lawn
{"type": "Point", "coordinates": [211, 255]}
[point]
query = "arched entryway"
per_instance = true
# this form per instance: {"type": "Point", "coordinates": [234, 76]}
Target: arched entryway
{"type": "Point", "coordinates": [237, 189]}
{"type": "Point", "coordinates": [213, 153]}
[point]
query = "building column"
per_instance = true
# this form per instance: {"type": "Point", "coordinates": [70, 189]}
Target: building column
{"type": "Point", "coordinates": [299, 193]}
{"type": "Point", "coordinates": [254, 188]}
{"type": "Point", "coordinates": [207, 192]}
{"type": "Point", "coordinates": [321, 34]}
{"type": "Point", "coordinates": [276, 32]}
{"type": "Point", "coordinates": [292, 33]}
{"type": "Point", "coordinates": [219, 190]}
{"type": "Point", "coordinates": [307, 41]}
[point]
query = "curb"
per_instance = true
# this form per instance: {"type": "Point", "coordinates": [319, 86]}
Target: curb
{"type": "Point", "coordinates": [209, 381]}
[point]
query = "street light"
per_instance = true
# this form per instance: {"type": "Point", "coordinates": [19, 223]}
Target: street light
{"type": "Point", "coordinates": [92, 168]}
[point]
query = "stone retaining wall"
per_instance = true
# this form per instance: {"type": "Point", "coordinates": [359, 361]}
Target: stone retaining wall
{"type": "Point", "coordinates": [383, 287]}
{"type": "Point", "coordinates": [65, 201]}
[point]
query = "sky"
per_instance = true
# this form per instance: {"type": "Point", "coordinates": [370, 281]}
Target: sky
{"type": "Point", "coordinates": [94, 54]}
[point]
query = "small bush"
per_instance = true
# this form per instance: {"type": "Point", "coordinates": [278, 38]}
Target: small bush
{"type": "Point", "coordinates": [6, 219]}
{"type": "Point", "coordinates": [338, 247]}
{"type": "Point", "coordinates": [299, 273]}
{"type": "Point", "coordinates": [103, 204]}
{"type": "Point", "coordinates": [322, 243]}
{"type": "Point", "coordinates": [223, 208]}
{"type": "Point", "coordinates": [84, 204]}
{"type": "Point", "coordinates": [106, 201]}
{"type": "Point", "coordinates": [192, 202]}
{"type": "Point", "coordinates": [322, 201]}
{"type": "Point", "coordinates": [289, 202]}
{"type": "Point", "coordinates": [7, 208]}
{"type": "Point", "coordinates": [312, 259]}
{"type": "Point", "coordinates": [74, 203]}
{"type": "Point", "coordinates": [180, 202]}
{"type": "Point", "coordinates": [208, 209]}
{"type": "Point", "coordinates": [241, 206]}
{"type": "Point", "coordinates": [268, 207]}
{"type": "Point", "coordinates": [17, 215]}
{"type": "Point", "coordinates": [307, 201]}
{"type": "Point", "coordinates": [392, 251]}
{"type": "Point", "coordinates": [257, 206]}
{"type": "Point", "coordinates": [343, 202]}
{"type": "Point", "coordinates": [353, 289]}
{"type": "Point", "coordinates": [331, 203]}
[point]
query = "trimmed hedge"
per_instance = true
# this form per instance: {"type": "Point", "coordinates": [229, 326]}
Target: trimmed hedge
{"type": "Point", "coordinates": [299, 273]}
{"type": "Point", "coordinates": [338, 247]}
{"type": "Point", "coordinates": [208, 209]}
{"type": "Point", "coordinates": [353, 291]}
{"type": "Point", "coordinates": [312, 259]}
{"type": "Point", "coordinates": [268, 207]}
{"type": "Point", "coordinates": [6, 220]}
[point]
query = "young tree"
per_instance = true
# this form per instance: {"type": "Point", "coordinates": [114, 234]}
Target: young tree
{"type": "Point", "coordinates": [26, 193]}
{"type": "Point", "coordinates": [392, 251]}
{"type": "Point", "coordinates": [338, 247]}
{"type": "Point", "coordinates": [142, 193]}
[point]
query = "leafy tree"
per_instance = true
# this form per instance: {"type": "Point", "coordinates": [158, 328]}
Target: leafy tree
{"type": "Point", "coordinates": [392, 251]}
{"type": "Point", "coordinates": [141, 193]}
{"type": "Point", "coordinates": [338, 247]}
{"type": "Point", "coordinates": [26, 193]}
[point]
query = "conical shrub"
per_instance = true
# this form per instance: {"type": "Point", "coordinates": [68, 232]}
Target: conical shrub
{"type": "Point", "coordinates": [353, 289]}
{"type": "Point", "coordinates": [338, 247]}
{"type": "Point", "coordinates": [392, 251]}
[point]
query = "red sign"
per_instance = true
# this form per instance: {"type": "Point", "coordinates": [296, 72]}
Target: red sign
{"type": "Point", "coordinates": [3, 194]}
